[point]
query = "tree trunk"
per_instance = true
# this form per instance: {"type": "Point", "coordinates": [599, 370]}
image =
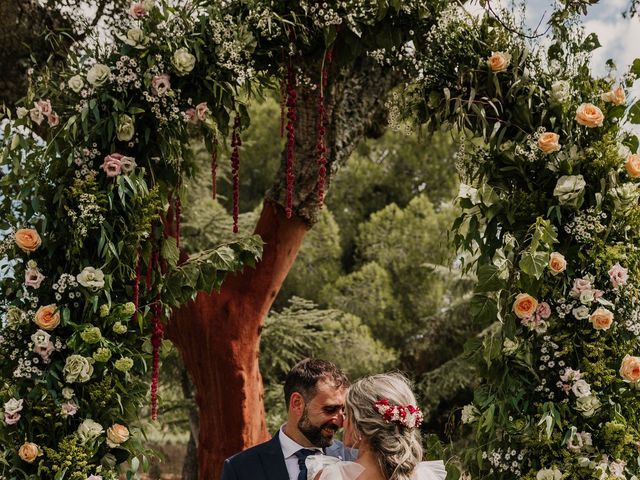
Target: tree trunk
{"type": "Point", "coordinates": [219, 334]}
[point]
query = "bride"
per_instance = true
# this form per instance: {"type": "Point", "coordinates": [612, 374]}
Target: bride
{"type": "Point", "coordinates": [381, 421]}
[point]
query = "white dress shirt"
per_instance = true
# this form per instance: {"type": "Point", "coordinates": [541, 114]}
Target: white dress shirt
{"type": "Point", "coordinates": [289, 449]}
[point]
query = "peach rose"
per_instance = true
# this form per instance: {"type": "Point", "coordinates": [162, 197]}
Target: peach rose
{"type": "Point", "coordinates": [633, 165]}
{"type": "Point", "coordinates": [549, 142]}
{"type": "Point", "coordinates": [589, 115]}
{"type": "Point", "coordinates": [117, 434]}
{"type": "Point", "coordinates": [615, 96]}
{"type": "Point", "coordinates": [29, 452]}
{"type": "Point", "coordinates": [47, 317]}
{"type": "Point", "coordinates": [601, 319]}
{"type": "Point", "coordinates": [28, 239]}
{"type": "Point", "coordinates": [557, 263]}
{"type": "Point", "coordinates": [137, 10]}
{"type": "Point", "coordinates": [498, 61]}
{"type": "Point", "coordinates": [53, 119]}
{"type": "Point", "coordinates": [525, 305]}
{"type": "Point", "coordinates": [630, 368]}
{"type": "Point", "coordinates": [201, 110]}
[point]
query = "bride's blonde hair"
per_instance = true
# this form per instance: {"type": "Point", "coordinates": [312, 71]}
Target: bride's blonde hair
{"type": "Point", "coordinates": [398, 448]}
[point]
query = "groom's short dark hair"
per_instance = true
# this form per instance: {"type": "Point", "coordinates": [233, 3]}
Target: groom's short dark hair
{"type": "Point", "coordinates": [305, 375]}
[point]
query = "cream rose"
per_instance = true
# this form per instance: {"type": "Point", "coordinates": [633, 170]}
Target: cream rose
{"type": "Point", "coordinates": [91, 278]}
{"type": "Point", "coordinates": [117, 434]}
{"type": "Point", "coordinates": [29, 452]}
{"type": "Point", "coordinates": [36, 115]}
{"type": "Point", "coordinates": [525, 305]}
{"type": "Point", "coordinates": [27, 239]}
{"type": "Point", "coordinates": [615, 96]}
{"type": "Point", "coordinates": [183, 61]}
{"type": "Point", "coordinates": [126, 128]}
{"type": "Point", "coordinates": [560, 90]}
{"type": "Point", "coordinates": [136, 38]}
{"type": "Point", "coordinates": [128, 164]}
{"type": "Point", "coordinates": [77, 369]}
{"type": "Point", "coordinates": [499, 61]}
{"type": "Point", "coordinates": [201, 111]}
{"type": "Point", "coordinates": [98, 74]}
{"type": "Point", "coordinates": [630, 369]}
{"type": "Point", "coordinates": [47, 317]}
{"type": "Point", "coordinates": [549, 142]}
{"type": "Point", "coordinates": [76, 83]}
{"type": "Point", "coordinates": [570, 190]}
{"type": "Point", "coordinates": [601, 319]}
{"type": "Point", "coordinates": [588, 405]}
{"type": "Point", "coordinates": [89, 430]}
{"type": "Point", "coordinates": [632, 165]}
{"type": "Point", "coordinates": [589, 115]}
{"type": "Point", "coordinates": [557, 263]}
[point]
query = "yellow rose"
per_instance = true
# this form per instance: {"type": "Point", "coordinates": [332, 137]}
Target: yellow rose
{"type": "Point", "coordinates": [525, 305]}
{"type": "Point", "coordinates": [633, 165]}
{"type": "Point", "coordinates": [589, 115]}
{"type": "Point", "coordinates": [499, 61]}
{"type": "Point", "coordinates": [28, 239]}
{"type": "Point", "coordinates": [29, 452]}
{"type": "Point", "coordinates": [557, 263]}
{"type": "Point", "coordinates": [47, 317]}
{"type": "Point", "coordinates": [630, 368]}
{"type": "Point", "coordinates": [601, 319]}
{"type": "Point", "coordinates": [117, 434]}
{"type": "Point", "coordinates": [549, 142]}
{"type": "Point", "coordinates": [615, 96]}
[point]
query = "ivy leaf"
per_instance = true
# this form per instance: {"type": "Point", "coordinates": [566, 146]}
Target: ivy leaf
{"type": "Point", "coordinates": [484, 309]}
{"type": "Point", "coordinates": [170, 251]}
{"type": "Point", "coordinates": [591, 43]}
{"type": "Point", "coordinates": [635, 68]}
{"type": "Point", "coordinates": [534, 263]}
{"type": "Point", "coordinates": [489, 279]}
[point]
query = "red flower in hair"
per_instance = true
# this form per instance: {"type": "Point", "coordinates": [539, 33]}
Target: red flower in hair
{"type": "Point", "coordinates": [408, 416]}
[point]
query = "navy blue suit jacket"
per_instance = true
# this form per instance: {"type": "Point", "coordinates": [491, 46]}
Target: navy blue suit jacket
{"type": "Point", "coordinates": [266, 461]}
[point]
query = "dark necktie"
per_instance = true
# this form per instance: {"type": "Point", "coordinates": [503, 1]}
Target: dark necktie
{"type": "Point", "coordinates": [302, 456]}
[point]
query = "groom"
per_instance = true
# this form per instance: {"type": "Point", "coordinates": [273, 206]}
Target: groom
{"type": "Point", "coordinates": [314, 391]}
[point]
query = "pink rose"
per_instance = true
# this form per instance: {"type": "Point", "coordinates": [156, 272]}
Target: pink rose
{"type": "Point", "coordinates": [36, 115]}
{"type": "Point", "coordinates": [33, 278]}
{"type": "Point", "coordinates": [11, 418]}
{"type": "Point", "coordinates": [44, 351]}
{"type": "Point", "coordinates": [544, 310]}
{"type": "Point", "coordinates": [580, 284]}
{"type": "Point", "coordinates": [44, 106]}
{"type": "Point", "coordinates": [618, 275]}
{"type": "Point", "coordinates": [53, 119]}
{"type": "Point", "coordinates": [69, 408]}
{"type": "Point", "coordinates": [202, 109]}
{"type": "Point", "coordinates": [112, 165]}
{"type": "Point", "coordinates": [137, 10]}
{"type": "Point", "coordinates": [160, 84]}
{"type": "Point", "coordinates": [190, 116]}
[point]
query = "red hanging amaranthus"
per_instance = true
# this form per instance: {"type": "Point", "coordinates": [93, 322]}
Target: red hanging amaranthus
{"type": "Point", "coordinates": [235, 170]}
{"type": "Point", "coordinates": [291, 133]}
{"type": "Point", "coordinates": [214, 170]}
{"type": "Point", "coordinates": [156, 342]}
{"type": "Point", "coordinates": [321, 147]}
{"type": "Point", "coordinates": [283, 104]}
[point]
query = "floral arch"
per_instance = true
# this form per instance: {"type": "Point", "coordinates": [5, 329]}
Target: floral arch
{"type": "Point", "coordinates": [550, 216]}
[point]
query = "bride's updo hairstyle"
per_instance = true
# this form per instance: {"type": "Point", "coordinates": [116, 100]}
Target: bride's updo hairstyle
{"type": "Point", "coordinates": [397, 447]}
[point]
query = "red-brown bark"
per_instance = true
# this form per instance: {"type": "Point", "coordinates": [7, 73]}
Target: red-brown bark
{"type": "Point", "coordinates": [218, 336]}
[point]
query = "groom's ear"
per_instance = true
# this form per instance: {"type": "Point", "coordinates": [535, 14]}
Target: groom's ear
{"type": "Point", "coordinates": [296, 403]}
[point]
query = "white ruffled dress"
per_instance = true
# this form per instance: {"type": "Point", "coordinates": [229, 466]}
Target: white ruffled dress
{"type": "Point", "coordinates": [334, 469]}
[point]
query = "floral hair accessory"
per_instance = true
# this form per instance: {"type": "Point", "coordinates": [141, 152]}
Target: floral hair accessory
{"type": "Point", "coordinates": [408, 416]}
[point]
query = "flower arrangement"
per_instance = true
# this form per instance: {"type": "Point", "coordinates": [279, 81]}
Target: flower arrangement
{"type": "Point", "coordinates": [408, 416]}
{"type": "Point", "coordinates": [550, 209]}
{"type": "Point", "coordinates": [90, 192]}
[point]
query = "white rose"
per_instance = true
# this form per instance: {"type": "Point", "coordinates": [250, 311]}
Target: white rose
{"type": "Point", "coordinates": [91, 278]}
{"type": "Point", "coordinates": [625, 196]}
{"type": "Point", "coordinates": [40, 338]}
{"type": "Point", "coordinates": [470, 413]}
{"type": "Point", "coordinates": [581, 389]}
{"type": "Point", "coordinates": [549, 474]}
{"type": "Point", "coordinates": [98, 74]}
{"type": "Point", "coordinates": [588, 405]}
{"type": "Point", "coordinates": [570, 190]}
{"type": "Point", "coordinates": [183, 61]}
{"type": "Point", "coordinates": [76, 83]}
{"type": "Point", "coordinates": [22, 112]}
{"type": "Point", "coordinates": [89, 430]}
{"type": "Point", "coordinates": [560, 90]}
{"type": "Point", "coordinates": [128, 164]}
{"type": "Point", "coordinates": [13, 406]}
{"type": "Point", "coordinates": [581, 313]}
{"type": "Point", "coordinates": [126, 129]}
{"type": "Point", "coordinates": [136, 38]}
{"type": "Point", "coordinates": [77, 369]}
{"type": "Point", "coordinates": [509, 347]}
{"type": "Point", "coordinates": [587, 296]}
{"type": "Point", "coordinates": [67, 393]}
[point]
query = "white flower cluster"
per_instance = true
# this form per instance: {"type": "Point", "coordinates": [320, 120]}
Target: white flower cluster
{"type": "Point", "coordinates": [127, 74]}
{"type": "Point", "coordinates": [507, 461]}
{"type": "Point", "coordinates": [64, 283]}
{"type": "Point", "coordinates": [233, 47]}
{"type": "Point", "coordinates": [89, 216]}
{"type": "Point", "coordinates": [586, 226]}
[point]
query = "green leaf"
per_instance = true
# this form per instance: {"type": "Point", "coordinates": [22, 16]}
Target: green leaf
{"type": "Point", "coordinates": [484, 309]}
{"type": "Point", "coordinates": [489, 279]}
{"type": "Point", "coordinates": [534, 263]}
{"type": "Point", "coordinates": [591, 43]}
{"type": "Point", "coordinates": [635, 68]}
{"type": "Point", "coordinates": [170, 251]}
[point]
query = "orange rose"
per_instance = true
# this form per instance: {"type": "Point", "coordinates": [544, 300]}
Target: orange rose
{"type": "Point", "coordinates": [557, 263]}
{"type": "Point", "coordinates": [549, 142]}
{"type": "Point", "coordinates": [601, 319]}
{"type": "Point", "coordinates": [633, 165]}
{"type": "Point", "coordinates": [29, 452]}
{"type": "Point", "coordinates": [589, 115]}
{"type": "Point", "coordinates": [47, 317]}
{"type": "Point", "coordinates": [630, 368]}
{"type": "Point", "coordinates": [28, 239]}
{"type": "Point", "coordinates": [525, 305]}
{"type": "Point", "coordinates": [498, 61]}
{"type": "Point", "coordinates": [615, 96]}
{"type": "Point", "coordinates": [117, 434]}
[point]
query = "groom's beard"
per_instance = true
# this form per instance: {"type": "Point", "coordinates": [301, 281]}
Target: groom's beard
{"type": "Point", "coordinates": [321, 436]}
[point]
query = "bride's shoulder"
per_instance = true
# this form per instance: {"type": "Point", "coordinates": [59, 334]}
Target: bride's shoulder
{"type": "Point", "coordinates": [433, 470]}
{"type": "Point", "coordinates": [321, 467]}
